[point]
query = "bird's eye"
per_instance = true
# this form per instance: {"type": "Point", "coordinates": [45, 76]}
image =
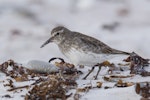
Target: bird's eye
{"type": "Point", "coordinates": [57, 33]}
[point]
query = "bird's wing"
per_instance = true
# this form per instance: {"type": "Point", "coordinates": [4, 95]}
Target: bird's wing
{"type": "Point", "coordinates": [98, 46]}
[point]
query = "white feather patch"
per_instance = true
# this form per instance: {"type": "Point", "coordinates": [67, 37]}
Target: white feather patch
{"type": "Point", "coordinates": [88, 59]}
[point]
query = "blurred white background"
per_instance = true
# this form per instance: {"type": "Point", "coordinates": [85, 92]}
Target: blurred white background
{"type": "Point", "coordinates": [26, 24]}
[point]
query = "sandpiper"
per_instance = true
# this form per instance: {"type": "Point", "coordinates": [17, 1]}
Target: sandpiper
{"type": "Point", "coordinates": [81, 49]}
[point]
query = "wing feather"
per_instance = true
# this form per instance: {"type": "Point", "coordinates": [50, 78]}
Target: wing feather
{"type": "Point", "coordinates": [90, 44]}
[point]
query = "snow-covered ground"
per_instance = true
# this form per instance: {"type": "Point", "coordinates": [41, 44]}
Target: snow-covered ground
{"type": "Point", "coordinates": [26, 24]}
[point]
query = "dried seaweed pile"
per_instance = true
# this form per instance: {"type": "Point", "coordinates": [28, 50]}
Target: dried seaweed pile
{"type": "Point", "coordinates": [45, 85]}
{"type": "Point", "coordinates": [138, 64]}
{"type": "Point", "coordinates": [52, 87]}
{"type": "Point", "coordinates": [14, 70]}
{"type": "Point", "coordinates": [143, 89]}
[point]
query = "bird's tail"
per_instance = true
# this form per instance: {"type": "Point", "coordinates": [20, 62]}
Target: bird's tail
{"type": "Point", "coordinates": [121, 52]}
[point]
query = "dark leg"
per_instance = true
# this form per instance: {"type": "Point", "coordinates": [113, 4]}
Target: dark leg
{"type": "Point", "coordinates": [89, 73]}
{"type": "Point", "coordinates": [98, 71]}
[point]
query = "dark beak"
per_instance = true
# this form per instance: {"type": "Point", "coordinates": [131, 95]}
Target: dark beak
{"type": "Point", "coordinates": [48, 41]}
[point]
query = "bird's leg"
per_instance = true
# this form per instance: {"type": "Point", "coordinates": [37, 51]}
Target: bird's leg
{"type": "Point", "coordinates": [99, 68]}
{"type": "Point", "coordinates": [105, 63]}
{"type": "Point", "coordinates": [89, 72]}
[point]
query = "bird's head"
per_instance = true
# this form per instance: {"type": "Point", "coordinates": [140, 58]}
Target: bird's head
{"type": "Point", "coordinates": [58, 34]}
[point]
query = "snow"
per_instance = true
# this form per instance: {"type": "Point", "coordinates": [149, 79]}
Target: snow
{"type": "Point", "coordinates": [115, 94]}
{"type": "Point", "coordinates": [34, 19]}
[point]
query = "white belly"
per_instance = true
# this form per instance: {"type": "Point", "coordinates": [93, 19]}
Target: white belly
{"type": "Point", "coordinates": [88, 59]}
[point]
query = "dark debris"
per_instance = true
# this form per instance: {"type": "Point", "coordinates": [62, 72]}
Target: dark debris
{"type": "Point", "coordinates": [6, 96]}
{"type": "Point", "coordinates": [120, 83]}
{"type": "Point", "coordinates": [52, 87]}
{"type": "Point", "coordinates": [137, 64]}
{"type": "Point", "coordinates": [46, 86]}
{"type": "Point", "coordinates": [143, 89]}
